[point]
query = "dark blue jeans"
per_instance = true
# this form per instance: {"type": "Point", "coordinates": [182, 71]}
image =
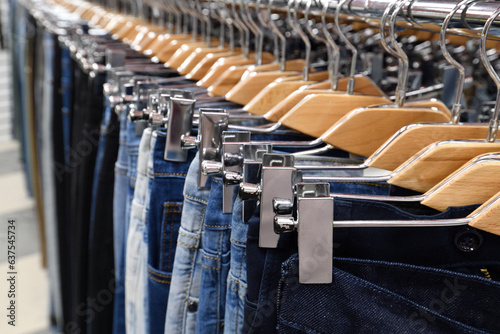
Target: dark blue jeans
{"type": "Point", "coordinates": [408, 280]}
{"type": "Point", "coordinates": [385, 297]}
{"type": "Point", "coordinates": [164, 217]}
{"type": "Point", "coordinates": [263, 265]}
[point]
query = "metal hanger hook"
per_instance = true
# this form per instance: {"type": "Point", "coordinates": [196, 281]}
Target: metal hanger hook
{"type": "Point", "coordinates": [457, 106]}
{"type": "Point", "coordinates": [354, 51]}
{"type": "Point", "coordinates": [493, 127]}
{"type": "Point", "coordinates": [296, 27]}
{"type": "Point", "coordinates": [334, 61]}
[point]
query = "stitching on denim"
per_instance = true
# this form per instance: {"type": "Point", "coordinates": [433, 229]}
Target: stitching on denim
{"type": "Point", "coordinates": [237, 282]}
{"type": "Point", "coordinates": [196, 198]}
{"type": "Point", "coordinates": [120, 173]}
{"type": "Point", "coordinates": [238, 242]}
{"type": "Point", "coordinates": [176, 174]}
{"type": "Point", "coordinates": [210, 268]}
{"type": "Point", "coordinates": [189, 236]}
{"type": "Point", "coordinates": [240, 293]}
{"type": "Point", "coordinates": [160, 135]}
{"type": "Point", "coordinates": [210, 257]}
{"type": "Point", "coordinates": [158, 280]}
{"type": "Point", "coordinates": [160, 275]}
{"type": "Point", "coordinates": [229, 225]}
{"type": "Point", "coordinates": [216, 181]}
{"type": "Point", "coordinates": [188, 246]}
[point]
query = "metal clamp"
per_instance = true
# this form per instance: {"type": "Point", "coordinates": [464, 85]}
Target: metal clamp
{"type": "Point", "coordinates": [211, 126]}
{"type": "Point", "coordinates": [314, 216]}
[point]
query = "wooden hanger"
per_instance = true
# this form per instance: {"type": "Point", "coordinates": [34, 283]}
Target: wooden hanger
{"type": "Point", "coordinates": [237, 74]}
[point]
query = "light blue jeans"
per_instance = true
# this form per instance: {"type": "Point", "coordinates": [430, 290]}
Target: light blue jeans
{"type": "Point", "coordinates": [135, 267]}
{"type": "Point", "coordinates": [186, 275]}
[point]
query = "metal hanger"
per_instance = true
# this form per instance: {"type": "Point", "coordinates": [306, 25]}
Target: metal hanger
{"type": "Point", "coordinates": [278, 98]}
{"type": "Point", "coordinates": [200, 53]}
{"type": "Point", "coordinates": [223, 64]}
{"type": "Point", "coordinates": [238, 75]}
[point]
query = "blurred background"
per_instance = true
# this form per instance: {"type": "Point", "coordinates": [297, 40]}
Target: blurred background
{"type": "Point", "coordinates": [16, 202]}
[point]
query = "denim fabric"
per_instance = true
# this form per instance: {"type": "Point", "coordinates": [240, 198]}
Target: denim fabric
{"type": "Point", "coordinates": [263, 278]}
{"type": "Point", "coordinates": [163, 223]}
{"type": "Point", "coordinates": [101, 275]}
{"type": "Point", "coordinates": [384, 297]}
{"type": "Point", "coordinates": [237, 278]}
{"type": "Point", "coordinates": [186, 275]}
{"type": "Point", "coordinates": [106, 119]}
{"type": "Point", "coordinates": [132, 147]}
{"type": "Point", "coordinates": [134, 267]}
{"type": "Point", "coordinates": [215, 256]}
{"type": "Point", "coordinates": [66, 86]}
{"type": "Point", "coordinates": [119, 216]}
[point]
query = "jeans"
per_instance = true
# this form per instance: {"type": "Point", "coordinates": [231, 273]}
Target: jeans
{"type": "Point", "coordinates": [119, 216]}
{"type": "Point", "coordinates": [457, 249]}
{"type": "Point", "coordinates": [385, 297]}
{"type": "Point", "coordinates": [263, 278]}
{"type": "Point", "coordinates": [132, 148]}
{"type": "Point", "coordinates": [88, 109]}
{"type": "Point", "coordinates": [215, 256]}
{"type": "Point", "coordinates": [101, 247]}
{"type": "Point", "coordinates": [186, 274]}
{"type": "Point", "coordinates": [135, 268]}
{"type": "Point", "coordinates": [163, 223]}
{"type": "Point", "coordinates": [237, 277]}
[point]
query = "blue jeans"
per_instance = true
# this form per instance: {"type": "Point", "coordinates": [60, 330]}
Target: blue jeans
{"type": "Point", "coordinates": [263, 278]}
{"type": "Point", "coordinates": [131, 147]}
{"type": "Point", "coordinates": [119, 224]}
{"type": "Point", "coordinates": [135, 267]}
{"type": "Point", "coordinates": [186, 275]}
{"type": "Point", "coordinates": [385, 297]}
{"type": "Point", "coordinates": [237, 277]}
{"type": "Point", "coordinates": [163, 223]}
{"type": "Point", "coordinates": [215, 256]}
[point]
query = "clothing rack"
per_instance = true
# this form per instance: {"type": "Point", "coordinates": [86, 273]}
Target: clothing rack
{"type": "Point", "coordinates": [421, 14]}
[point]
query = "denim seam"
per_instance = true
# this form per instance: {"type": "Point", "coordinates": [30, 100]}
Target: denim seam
{"type": "Point", "coordinates": [171, 231]}
{"type": "Point", "coordinates": [211, 257]}
{"type": "Point", "coordinates": [238, 283]}
{"type": "Point", "coordinates": [160, 275]}
{"type": "Point", "coordinates": [188, 236]}
{"type": "Point", "coordinates": [196, 198]}
{"type": "Point", "coordinates": [229, 225]}
{"type": "Point", "coordinates": [217, 181]}
{"type": "Point", "coordinates": [159, 280]}
{"type": "Point", "coordinates": [186, 245]}
{"type": "Point", "coordinates": [176, 174]}
{"type": "Point", "coordinates": [210, 268]}
{"type": "Point", "coordinates": [238, 242]}
{"type": "Point", "coordinates": [235, 288]}
{"type": "Point", "coordinates": [121, 174]}
{"type": "Point", "coordinates": [166, 212]}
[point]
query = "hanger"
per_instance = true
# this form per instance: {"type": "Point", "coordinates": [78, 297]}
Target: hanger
{"type": "Point", "coordinates": [200, 53]}
{"type": "Point", "coordinates": [223, 64]}
{"type": "Point", "coordinates": [275, 93]}
{"type": "Point", "coordinates": [253, 82]}
{"type": "Point", "coordinates": [236, 74]}
{"type": "Point", "coordinates": [182, 45]}
{"type": "Point", "coordinates": [175, 18]}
